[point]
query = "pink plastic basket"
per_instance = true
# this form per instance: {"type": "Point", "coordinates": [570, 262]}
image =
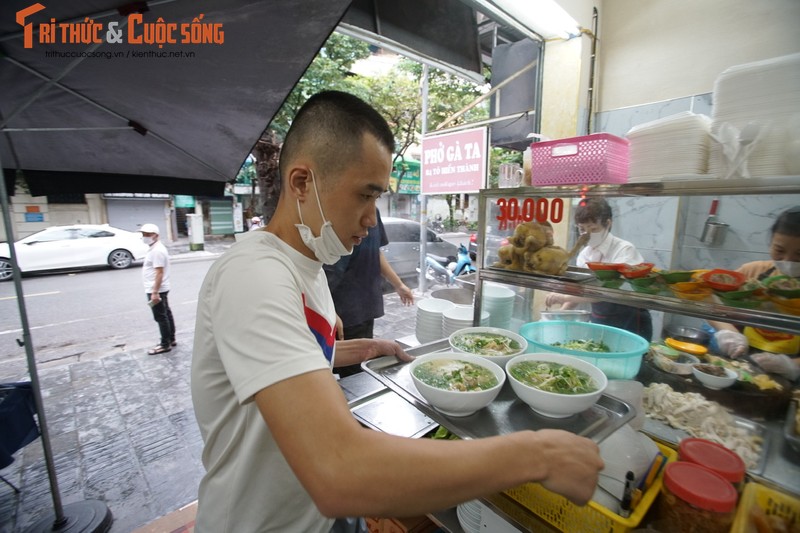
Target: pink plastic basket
{"type": "Point", "coordinates": [595, 158]}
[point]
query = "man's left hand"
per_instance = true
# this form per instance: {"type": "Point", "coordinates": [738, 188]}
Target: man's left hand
{"type": "Point", "coordinates": [386, 347]}
{"type": "Point", "coordinates": [406, 296]}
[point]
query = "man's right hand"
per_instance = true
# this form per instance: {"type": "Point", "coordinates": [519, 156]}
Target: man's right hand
{"type": "Point", "coordinates": [572, 464]}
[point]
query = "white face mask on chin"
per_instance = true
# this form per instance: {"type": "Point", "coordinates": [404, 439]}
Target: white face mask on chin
{"type": "Point", "coordinates": [328, 248]}
{"type": "Point", "coordinates": [788, 268]}
{"type": "Point", "coordinates": [148, 240]}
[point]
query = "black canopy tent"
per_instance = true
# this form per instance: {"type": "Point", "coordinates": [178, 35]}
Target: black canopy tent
{"type": "Point", "coordinates": [122, 117]}
{"type": "Point", "coordinates": [177, 118]}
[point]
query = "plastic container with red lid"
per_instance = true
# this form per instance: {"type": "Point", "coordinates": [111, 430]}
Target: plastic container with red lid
{"type": "Point", "coordinates": [694, 498]}
{"type": "Point", "coordinates": [716, 457]}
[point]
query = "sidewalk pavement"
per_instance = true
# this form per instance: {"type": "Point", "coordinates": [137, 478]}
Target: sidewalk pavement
{"type": "Point", "coordinates": [213, 245]}
{"type": "Point", "coordinates": [122, 427]}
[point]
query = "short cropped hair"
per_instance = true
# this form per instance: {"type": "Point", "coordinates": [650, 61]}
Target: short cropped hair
{"type": "Point", "coordinates": [787, 223]}
{"type": "Point", "coordinates": [593, 210]}
{"type": "Point", "coordinates": [330, 127]}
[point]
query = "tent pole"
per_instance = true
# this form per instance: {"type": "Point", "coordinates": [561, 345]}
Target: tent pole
{"type": "Point", "coordinates": [28, 344]}
{"type": "Point", "coordinates": [86, 516]}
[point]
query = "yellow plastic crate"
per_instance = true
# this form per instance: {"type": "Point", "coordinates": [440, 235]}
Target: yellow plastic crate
{"type": "Point", "coordinates": [772, 502]}
{"type": "Point", "coordinates": [593, 517]}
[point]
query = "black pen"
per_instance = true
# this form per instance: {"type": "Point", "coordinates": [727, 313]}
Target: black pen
{"type": "Point", "coordinates": [625, 505]}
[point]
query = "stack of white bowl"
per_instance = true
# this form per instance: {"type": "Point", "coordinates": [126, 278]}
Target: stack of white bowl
{"type": "Point", "coordinates": [498, 301]}
{"type": "Point", "coordinates": [429, 319]}
{"type": "Point", "coordinates": [469, 516]}
{"type": "Point", "coordinates": [460, 317]}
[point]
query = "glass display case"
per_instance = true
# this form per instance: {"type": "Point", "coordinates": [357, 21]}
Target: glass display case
{"type": "Point", "coordinates": [664, 220]}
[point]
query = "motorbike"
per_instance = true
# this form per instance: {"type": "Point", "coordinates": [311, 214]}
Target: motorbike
{"type": "Point", "coordinates": [447, 269]}
{"type": "Point", "coordinates": [437, 225]}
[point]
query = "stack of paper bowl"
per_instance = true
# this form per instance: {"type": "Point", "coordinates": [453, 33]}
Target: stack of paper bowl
{"type": "Point", "coordinates": [499, 303]}
{"type": "Point", "coordinates": [429, 319]}
{"type": "Point", "coordinates": [460, 317]}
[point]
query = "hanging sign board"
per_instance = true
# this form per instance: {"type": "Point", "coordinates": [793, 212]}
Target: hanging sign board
{"type": "Point", "coordinates": [454, 162]}
{"type": "Point", "coordinates": [184, 201]}
{"type": "Point", "coordinates": [407, 171]}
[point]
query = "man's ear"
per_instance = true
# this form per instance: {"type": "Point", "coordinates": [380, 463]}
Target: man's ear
{"type": "Point", "coordinates": [299, 182]}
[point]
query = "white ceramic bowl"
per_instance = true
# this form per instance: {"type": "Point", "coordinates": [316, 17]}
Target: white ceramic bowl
{"type": "Point", "coordinates": [499, 359]}
{"type": "Point", "coordinates": [550, 403]}
{"type": "Point", "coordinates": [715, 382]}
{"type": "Point", "coordinates": [458, 403]}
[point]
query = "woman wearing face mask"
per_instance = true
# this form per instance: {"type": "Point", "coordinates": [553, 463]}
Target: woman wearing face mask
{"type": "Point", "coordinates": [593, 216]}
{"type": "Point", "coordinates": [784, 252]}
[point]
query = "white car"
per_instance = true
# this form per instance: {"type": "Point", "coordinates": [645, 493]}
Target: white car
{"type": "Point", "coordinates": [70, 247]}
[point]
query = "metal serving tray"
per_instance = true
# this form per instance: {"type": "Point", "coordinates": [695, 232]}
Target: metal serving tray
{"type": "Point", "coordinates": [661, 431]}
{"type": "Point", "coordinates": [573, 274]}
{"type": "Point", "coordinates": [504, 415]}
{"type": "Point", "coordinates": [379, 408]}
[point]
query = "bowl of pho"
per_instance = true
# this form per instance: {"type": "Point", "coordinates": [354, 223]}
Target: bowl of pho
{"type": "Point", "coordinates": [496, 344]}
{"type": "Point", "coordinates": [555, 385]}
{"type": "Point", "coordinates": [457, 384]}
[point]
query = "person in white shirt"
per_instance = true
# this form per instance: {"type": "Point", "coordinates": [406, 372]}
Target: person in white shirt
{"type": "Point", "coordinates": [282, 450]}
{"type": "Point", "coordinates": [594, 216]}
{"type": "Point", "coordinates": [155, 276]}
{"type": "Point", "coordinates": [255, 223]}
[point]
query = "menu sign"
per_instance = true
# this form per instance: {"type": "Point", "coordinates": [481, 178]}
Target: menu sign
{"type": "Point", "coordinates": [454, 162]}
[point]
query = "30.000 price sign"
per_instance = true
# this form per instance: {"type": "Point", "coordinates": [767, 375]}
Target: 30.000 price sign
{"type": "Point", "coordinates": [514, 212]}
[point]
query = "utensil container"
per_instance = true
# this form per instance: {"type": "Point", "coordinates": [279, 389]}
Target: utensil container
{"type": "Point", "coordinates": [714, 233]}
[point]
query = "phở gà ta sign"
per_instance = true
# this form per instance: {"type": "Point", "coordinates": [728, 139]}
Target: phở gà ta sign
{"type": "Point", "coordinates": [454, 162]}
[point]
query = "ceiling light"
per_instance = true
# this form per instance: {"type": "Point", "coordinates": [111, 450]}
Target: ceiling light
{"type": "Point", "coordinates": [398, 48]}
{"type": "Point", "coordinates": [544, 17]}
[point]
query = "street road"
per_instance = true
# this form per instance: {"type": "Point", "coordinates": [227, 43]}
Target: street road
{"type": "Point", "coordinates": [94, 313]}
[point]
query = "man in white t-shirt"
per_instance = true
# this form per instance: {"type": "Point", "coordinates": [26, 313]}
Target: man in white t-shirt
{"type": "Point", "coordinates": [155, 276]}
{"type": "Point", "coordinates": [282, 450]}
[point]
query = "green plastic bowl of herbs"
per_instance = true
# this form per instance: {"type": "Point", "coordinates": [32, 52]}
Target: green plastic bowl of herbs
{"type": "Point", "coordinates": [675, 276]}
{"type": "Point", "coordinates": [645, 281]}
{"type": "Point", "coordinates": [742, 303]}
{"type": "Point", "coordinates": [785, 286]}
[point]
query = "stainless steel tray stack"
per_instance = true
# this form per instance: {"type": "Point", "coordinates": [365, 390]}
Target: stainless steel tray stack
{"type": "Point", "coordinates": [506, 414]}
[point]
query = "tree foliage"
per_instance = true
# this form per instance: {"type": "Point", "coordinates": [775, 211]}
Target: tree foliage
{"type": "Point", "coordinates": [396, 95]}
{"type": "Point", "coordinates": [447, 94]}
{"type": "Point", "coordinates": [330, 69]}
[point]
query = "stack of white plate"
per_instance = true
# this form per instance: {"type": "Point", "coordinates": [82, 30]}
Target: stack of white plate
{"type": "Point", "coordinates": [673, 145]}
{"type": "Point", "coordinates": [499, 303]}
{"type": "Point", "coordinates": [460, 317]}
{"type": "Point", "coordinates": [469, 516]}
{"type": "Point", "coordinates": [765, 94]}
{"type": "Point", "coordinates": [429, 319]}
